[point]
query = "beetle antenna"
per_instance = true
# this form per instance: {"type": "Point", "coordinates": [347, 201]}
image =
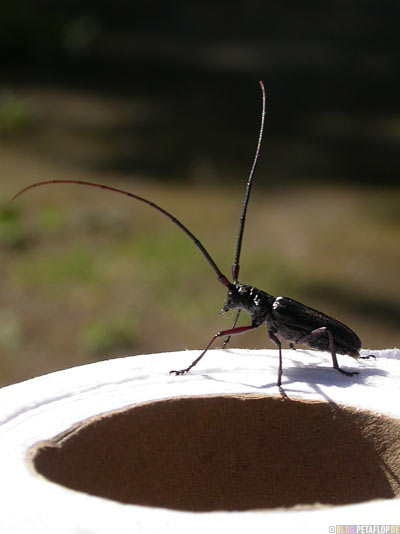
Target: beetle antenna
{"type": "Point", "coordinates": [221, 277]}
{"type": "Point", "coordinates": [235, 266]}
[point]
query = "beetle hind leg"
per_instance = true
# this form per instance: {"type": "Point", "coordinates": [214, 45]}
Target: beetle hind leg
{"type": "Point", "coordinates": [325, 330]}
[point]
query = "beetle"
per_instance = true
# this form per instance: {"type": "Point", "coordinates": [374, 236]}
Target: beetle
{"type": "Point", "coordinates": [286, 319]}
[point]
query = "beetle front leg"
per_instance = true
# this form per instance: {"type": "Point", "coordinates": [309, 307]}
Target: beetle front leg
{"type": "Point", "coordinates": [318, 332]}
{"type": "Point", "coordinates": [230, 332]}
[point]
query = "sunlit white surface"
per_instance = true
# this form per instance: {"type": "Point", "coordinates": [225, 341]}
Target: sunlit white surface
{"type": "Point", "coordinates": [43, 407]}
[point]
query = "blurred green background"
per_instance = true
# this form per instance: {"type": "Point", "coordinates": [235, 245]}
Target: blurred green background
{"type": "Point", "coordinates": [163, 99]}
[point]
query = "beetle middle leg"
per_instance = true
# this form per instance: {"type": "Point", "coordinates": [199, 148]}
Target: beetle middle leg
{"type": "Point", "coordinates": [324, 330]}
{"type": "Point", "coordinates": [226, 340]}
{"type": "Point", "coordinates": [272, 336]}
{"type": "Point", "coordinates": [279, 345]}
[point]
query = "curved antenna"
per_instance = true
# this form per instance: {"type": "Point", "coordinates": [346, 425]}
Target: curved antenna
{"type": "Point", "coordinates": [221, 277]}
{"type": "Point", "coordinates": [235, 266]}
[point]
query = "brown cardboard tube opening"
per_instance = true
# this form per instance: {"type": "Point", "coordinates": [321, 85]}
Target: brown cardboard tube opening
{"type": "Point", "coordinates": [228, 453]}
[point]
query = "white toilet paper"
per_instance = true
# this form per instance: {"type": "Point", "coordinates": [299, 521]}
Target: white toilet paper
{"type": "Point", "coordinates": [44, 407]}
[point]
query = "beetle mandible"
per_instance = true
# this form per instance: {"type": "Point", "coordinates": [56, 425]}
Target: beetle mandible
{"type": "Point", "coordinates": [285, 318]}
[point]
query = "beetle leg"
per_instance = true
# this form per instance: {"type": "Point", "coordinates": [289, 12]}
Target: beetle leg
{"type": "Point", "coordinates": [318, 332]}
{"type": "Point", "coordinates": [226, 340]}
{"type": "Point", "coordinates": [230, 332]}
{"type": "Point", "coordinates": [279, 345]}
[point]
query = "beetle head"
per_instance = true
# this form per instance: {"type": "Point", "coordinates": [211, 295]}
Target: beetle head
{"type": "Point", "coordinates": [238, 297]}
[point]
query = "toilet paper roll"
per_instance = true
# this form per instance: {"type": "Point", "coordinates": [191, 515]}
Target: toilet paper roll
{"type": "Point", "coordinates": [121, 446]}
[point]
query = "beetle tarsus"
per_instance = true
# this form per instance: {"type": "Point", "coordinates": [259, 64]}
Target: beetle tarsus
{"type": "Point", "coordinates": [180, 372]}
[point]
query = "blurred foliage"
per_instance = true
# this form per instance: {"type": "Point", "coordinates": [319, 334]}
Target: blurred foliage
{"type": "Point", "coordinates": [51, 220]}
{"type": "Point", "coordinates": [58, 271]}
{"type": "Point", "coordinates": [91, 291]}
{"type": "Point", "coordinates": [107, 335]}
{"type": "Point", "coordinates": [11, 331]}
{"type": "Point", "coordinates": [15, 114]}
{"type": "Point", "coordinates": [186, 74]}
{"type": "Point", "coordinates": [11, 233]}
{"type": "Point", "coordinates": [80, 34]}
{"type": "Point", "coordinates": [103, 220]}
{"type": "Point", "coordinates": [386, 209]}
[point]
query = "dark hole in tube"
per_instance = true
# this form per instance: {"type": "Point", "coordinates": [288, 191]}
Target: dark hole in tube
{"type": "Point", "coordinates": [228, 453]}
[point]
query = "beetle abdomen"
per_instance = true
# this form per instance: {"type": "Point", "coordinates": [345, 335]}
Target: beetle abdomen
{"type": "Point", "coordinates": [293, 321]}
